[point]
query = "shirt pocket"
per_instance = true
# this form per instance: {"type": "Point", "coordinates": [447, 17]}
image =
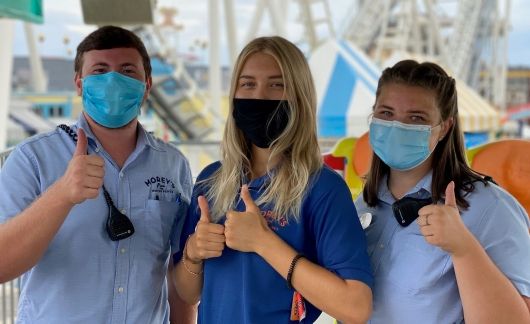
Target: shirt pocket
{"type": "Point", "coordinates": [416, 266]}
{"type": "Point", "coordinates": [157, 223]}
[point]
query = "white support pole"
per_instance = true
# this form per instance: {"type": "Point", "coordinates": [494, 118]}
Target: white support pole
{"type": "Point", "coordinates": [329, 19]}
{"type": "Point", "coordinates": [416, 41]}
{"type": "Point", "coordinates": [277, 18]}
{"type": "Point", "coordinates": [256, 21]}
{"type": "Point", "coordinates": [503, 73]}
{"type": "Point", "coordinates": [435, 33]}
{"type": "Point", "coordinates": [6, 67]}
{"type": "Point", "coordinates": [214, 57]}
{"type": "Point", "coordinates": [37, 72]}
{"type": "Point", "coordinates": [283, 7]}
{"type": "Point", "coordinates": [380, 42]}
{"type": "Point", "coordinates": [430, 30]}
{"type": "Point", "coordinates": [492, 73]}
{"type": "Point", "coordinates": [403, 27]}
{"type": "Point", "coordinates": [309, 27]}
{"type": "Point", "coordinates": [231, 35]}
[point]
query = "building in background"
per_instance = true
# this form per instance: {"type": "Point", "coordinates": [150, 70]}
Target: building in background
{"type": "Point", "coordinates": [518, 86]}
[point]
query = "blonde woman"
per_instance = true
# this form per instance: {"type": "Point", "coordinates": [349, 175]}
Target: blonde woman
{"type": "Point", "coordinates": [273, 234]}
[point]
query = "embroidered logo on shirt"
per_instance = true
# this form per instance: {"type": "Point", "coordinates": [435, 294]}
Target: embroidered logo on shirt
{"type": "Point", "coordinates": [273, 221]}
{"type": "Point", "coordinates": [162, 188]}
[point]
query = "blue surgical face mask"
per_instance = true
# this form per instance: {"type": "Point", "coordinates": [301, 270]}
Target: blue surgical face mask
{"type": "Point", "coordinates": [112, 99]}
{"type": "Point", "coordinates": [401, 146]}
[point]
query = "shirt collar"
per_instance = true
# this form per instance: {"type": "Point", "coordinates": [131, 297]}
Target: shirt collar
{"type": "Point", "coordinates": [422, 189]}
{"type": "Point", "coordinates": [144, 138]}
{"type": "Point", "coordinates": [83, 124]}
{"type": "Point", "coordinates": [256, 183]}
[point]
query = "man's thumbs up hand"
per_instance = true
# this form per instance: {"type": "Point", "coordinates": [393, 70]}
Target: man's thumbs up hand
{"type": "Point", "coordinates": [84, 175]}
{"type": "Point", "coordinates": [82, 143]}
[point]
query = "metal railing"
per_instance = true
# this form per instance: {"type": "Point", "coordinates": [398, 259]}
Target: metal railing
{"type": "Point", "coordinates": [3, 156]}
{"type": "Point", "coordinates": [9, 293]}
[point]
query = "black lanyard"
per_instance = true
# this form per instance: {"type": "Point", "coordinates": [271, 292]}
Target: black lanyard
{"type": "Point", "coordinates": [118, 225]}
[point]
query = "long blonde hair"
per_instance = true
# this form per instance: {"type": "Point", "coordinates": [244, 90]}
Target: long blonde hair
{"type": "Point", "coordinates": [296, 148]}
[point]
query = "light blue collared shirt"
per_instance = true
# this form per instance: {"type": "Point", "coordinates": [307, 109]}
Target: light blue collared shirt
{"type": "Point", "coordinates": [414, 280]}
{"type": "Point", "coordinates": [84, 277]}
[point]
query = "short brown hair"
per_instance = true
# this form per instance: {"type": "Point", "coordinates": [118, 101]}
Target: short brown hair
{"type": "Point", "coordinates": [108, 37]}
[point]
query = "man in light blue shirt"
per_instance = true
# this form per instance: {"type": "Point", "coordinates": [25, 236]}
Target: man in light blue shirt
{"type": "Point", "coordinates": [58, 189]}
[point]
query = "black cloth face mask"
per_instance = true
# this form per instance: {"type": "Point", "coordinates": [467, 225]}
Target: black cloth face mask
{"type": "Point", "coordinates": [262, 121]}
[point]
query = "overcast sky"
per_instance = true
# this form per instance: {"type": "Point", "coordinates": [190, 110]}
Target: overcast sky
{"type": "Point", "coordinates": [63, 19]}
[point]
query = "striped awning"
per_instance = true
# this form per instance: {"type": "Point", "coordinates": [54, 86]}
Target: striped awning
{"type": "Point", "coordinates": [346, 81]}
{"type": "Point", "coordinates": [476, 114]}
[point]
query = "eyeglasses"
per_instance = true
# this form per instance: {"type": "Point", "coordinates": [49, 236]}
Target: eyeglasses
{"type": "Point", "coordinates": [118, 225]}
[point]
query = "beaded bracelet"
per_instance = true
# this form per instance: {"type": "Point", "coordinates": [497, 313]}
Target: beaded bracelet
{"type": "Point", "coordinates": [184, 255]}
{"type": "Point", "coordinates": [291, 269]}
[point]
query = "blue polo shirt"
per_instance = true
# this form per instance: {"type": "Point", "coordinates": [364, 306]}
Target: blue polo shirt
{"type": "Point", "coordinates": [415, 281]}
{"type": "Point", "coordinates": [241, 287]}
{"type": "Point", "coordinates": [84, 277]}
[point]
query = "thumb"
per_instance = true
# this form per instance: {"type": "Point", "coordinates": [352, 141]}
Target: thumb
{"type": "Point", "coordinates": [450, 199]}
{"type": "Point", "coordinates": [82, 143]}
{"type": "Point", "coordinates": [247, 199]}
{"type": "Point", "coordinates": [205, 210]}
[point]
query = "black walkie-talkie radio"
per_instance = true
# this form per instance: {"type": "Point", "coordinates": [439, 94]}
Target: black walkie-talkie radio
{"type": "Point", "coordinates": [406, 209]}
{"type": "Point", "coordinates": [118, 225]}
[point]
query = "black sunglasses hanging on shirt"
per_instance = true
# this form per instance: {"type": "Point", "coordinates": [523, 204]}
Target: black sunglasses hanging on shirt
{"type": "Point", "coordinates": [118, 225]}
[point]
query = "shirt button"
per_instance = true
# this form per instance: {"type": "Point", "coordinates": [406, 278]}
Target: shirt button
{"type": "Point", "coordinates": [122, 250]}
{"type": "Point", "coordinates": [381, 246]}
{"type": "Point", "coordinates": [97, 150]}
{"type": "Point", "coordinates": [123, 211]}
{"type": "Point", "coordinates": [121, 174]}
{"type": "Point", "coordinates": [120, 289]}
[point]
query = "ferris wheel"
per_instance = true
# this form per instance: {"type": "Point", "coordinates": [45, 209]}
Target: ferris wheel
{"type": "Point", "coordinates": [468, 37]}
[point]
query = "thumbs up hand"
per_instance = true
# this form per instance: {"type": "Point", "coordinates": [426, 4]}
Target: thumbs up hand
{"type": "Point", "coordinates": [245, 230]}
{"type": "Point", "coordinates": [84, 175]}
{"type": "Point", "coordinates": [82, 143]}
{"type": "Point", "coordinates": [208, 241]}
{"type": "Point", "coordinates": [442, 225]}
